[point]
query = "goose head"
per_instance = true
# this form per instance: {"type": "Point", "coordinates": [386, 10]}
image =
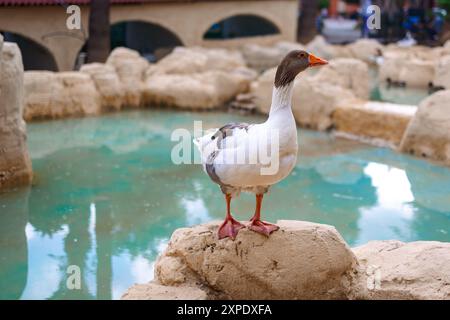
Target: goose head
{"type": "Point", "coordinates": [295, 62]}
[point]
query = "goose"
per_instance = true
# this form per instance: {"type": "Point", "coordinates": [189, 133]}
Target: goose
{"type": "Point", "coordinates": [253, 157]}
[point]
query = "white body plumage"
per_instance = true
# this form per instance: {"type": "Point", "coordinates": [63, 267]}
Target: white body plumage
{"type": "Point", "coordinates": [236, 156]}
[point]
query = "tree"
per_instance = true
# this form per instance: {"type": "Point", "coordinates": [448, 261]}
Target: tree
{"type": "Point", "coordinates": [98, 44]}
{"type": "Point", "coordinates": [307, 20]}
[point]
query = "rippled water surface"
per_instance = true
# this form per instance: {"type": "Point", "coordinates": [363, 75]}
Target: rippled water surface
{"type": "Point", "coordinates": [107, 197]}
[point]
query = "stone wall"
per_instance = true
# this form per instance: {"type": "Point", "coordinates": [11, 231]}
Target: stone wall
{"type": "Point", "coordinates": [15, 164]}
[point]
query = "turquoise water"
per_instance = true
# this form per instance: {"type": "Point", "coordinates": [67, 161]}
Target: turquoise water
{"type": "Point", "coordinates": [398, 95]}
{"type": "Point", "coordinates": [106, 198]}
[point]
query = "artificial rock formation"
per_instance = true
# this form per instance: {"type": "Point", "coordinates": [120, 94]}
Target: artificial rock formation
{"type": "Point", "coordinates": [262, 58]}
{"type": "Point", "coordinates": [374, 120]}
{"type": "Point", "coordinates": [197, 60]}
{"type": "Point", "coordinates": [417, 73]}
{"type": "Point", "coordinates": [205, 90]}
{"type": "Point", "coordinates": [413, 72]}
{"type": "Point", "coordinates": [107, 83]}
{"type": "Point", "coordinates": [321, 48]}
{"type": "Point", "coordinates": [352, 74]}
{"type": "Point", "coordinates": [196, 78]}
{"type": "Point", "coordinates": [390, 69]}
{"type": "Point", "coordinates": [15, 164]}
{"type": "Point", "coordinates": [314, 99]}
{"type": "Point", "coordinates": [362, 49]}
{"type": "Point", "coordinates": [314, 103]}
{"type": "Point", "coordinates": [428, 133]}
{"type": "Point", "coordinates": [131, 68]}
{"type": "Point", "coordinates": [302, 260]}
{"type": "Point", "coordinates": [365, 50]}
{"type": "Point", "coordinates": [442, 73]}
{"type": "Point", "coordinates": [261, 90]}
{"type": "Point", "coordinates": [59, 95]}
{"type": "Point", "coordinates": [397, 270]}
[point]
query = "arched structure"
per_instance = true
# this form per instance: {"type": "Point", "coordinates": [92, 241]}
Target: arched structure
{"type": "Point", "coordinates": [34, 55]}
{"type": "Point", "coordinates": [240, 26]}
{"type": "Point", "coordinates": [187, 21]}
{"type": "Point", "coordinates": [149, 39]}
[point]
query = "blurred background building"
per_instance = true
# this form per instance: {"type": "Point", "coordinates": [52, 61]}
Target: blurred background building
{"type": "Point", "coordinates": [155, 27]}
{"type": "Point", "coordinates": [345, 21]}
{"type": "Point", "coordinates": [152, 27]}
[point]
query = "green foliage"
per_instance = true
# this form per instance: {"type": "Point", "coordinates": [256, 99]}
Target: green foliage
{"type": "Point", "coordinates": [445, 4]}
{"type": "Point", "coordinates": [324, 4]}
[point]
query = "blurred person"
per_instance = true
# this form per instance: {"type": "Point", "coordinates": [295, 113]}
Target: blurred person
{"type": "Point", "coordinates": [365, 16]}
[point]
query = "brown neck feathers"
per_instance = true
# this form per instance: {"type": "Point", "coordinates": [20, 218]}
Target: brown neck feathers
{"type": "Point", "coordinates": [284, 75]}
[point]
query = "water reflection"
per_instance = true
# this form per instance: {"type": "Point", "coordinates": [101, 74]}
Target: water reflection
{"type": "Point", "coordinates": [390, 218]}
{"type": "Point", "coordinates": [109, 204]}
{"type": "Point", "coordinates": [13, 243]}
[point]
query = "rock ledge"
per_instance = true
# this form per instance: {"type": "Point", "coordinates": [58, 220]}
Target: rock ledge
{"type": "Point", "coordinates": [302, 260]}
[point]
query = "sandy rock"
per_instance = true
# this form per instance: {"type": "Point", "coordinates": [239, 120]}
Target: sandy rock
{"type": "Point", "coordinates": [285, 47]}
{"type": "Point", "coordinates": [40, 88]}
{"type": "Point", "coordinates": [184, 60]}
{"type": "Point", "coordinates": [300, 261]}
{"type": "Point", "coordinates": [79, 95]}
{"type": "Point", "coordinates": [374, 120]}
{"type": "Point", "coordinates": [205, 90]}
{"type": "Point", "coordinates": [447, 44]}
{"type": "Point", "coordinates": [439, 52]}
{"type": "Point", "coordinates": [320, 47]}
{"type": "Point", "coordinates": [426, 53]}
{"type": "Point", "coordinates": [442, 73]}
{"type": "Point", "coordinates": [59, 95]}
{"type": "Point", "coordinates": [365, 49]}
{"type": "Point", "coordinates": [391, 68]}
{"type": "Point", "coordinates": [428, 133]}
{"type": "Point", "coordinates": [315, 101]}
{"type": "Point", "coordinates": [260, 57]}
{"type": "Point", "coordinates": [197, 78]}
{"type": "Point", "coordinates": [412, 71]}
{"type": "Point", "coordinates": [261, 89]}
{"type": "Point", "coordinates": [342, 51]}
{"type": "Point", "coordinates": [417, 73]}
{"type": "Point", "coordinates": [107, 83]}
{"type": "Point", "coordinates": [131, 68]}
{"type": "Point", "coordinates": [395, 52]}
{"type": "Point", "coordinates": [154, 291]}
{"type": "Point", "coordinates": [15, 164]}
{"type": "Point", "coordinates": [348, 73]}
{"type": "Point", "coordinates": [397, 270]}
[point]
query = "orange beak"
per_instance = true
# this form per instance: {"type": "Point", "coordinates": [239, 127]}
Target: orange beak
{"type": "Point", "coordinates": [316, 61]}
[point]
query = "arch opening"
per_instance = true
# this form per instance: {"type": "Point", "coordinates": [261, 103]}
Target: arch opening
{"type": "Point", "coordinates": [239, 26]}
{"type": "Point", "coordinates": [34, 55]}
{"type": "Point", "coordinates": [151, 40]}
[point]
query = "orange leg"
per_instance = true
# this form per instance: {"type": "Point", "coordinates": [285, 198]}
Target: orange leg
{"type": "Point", "coordinates": [230, 227]}
{"type": "Point", "coordinates": [256, 224]}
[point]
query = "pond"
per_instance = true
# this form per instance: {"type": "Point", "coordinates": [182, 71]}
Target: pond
{"type": "Point", "coordinates": [106, 198]}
